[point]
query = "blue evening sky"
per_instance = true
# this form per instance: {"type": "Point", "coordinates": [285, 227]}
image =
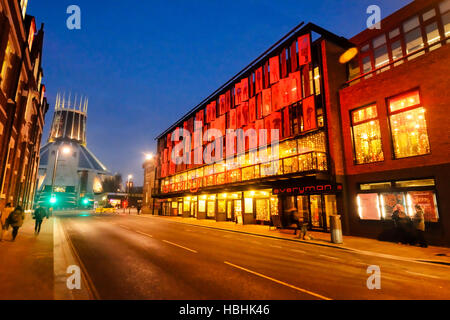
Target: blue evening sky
{"type": "Point", "coordinates": [145, 63]}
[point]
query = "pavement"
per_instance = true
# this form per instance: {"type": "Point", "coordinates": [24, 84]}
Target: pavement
{"type": "Point", "coordinates": [130, 256]}
{"type": "Point", "coordinates": [26, 265]}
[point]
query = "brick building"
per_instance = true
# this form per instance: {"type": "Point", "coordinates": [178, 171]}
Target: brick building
{"type": "Point", "coordinates": [395, 116]}
{"type": "Point", "coordinates": [22, 103]}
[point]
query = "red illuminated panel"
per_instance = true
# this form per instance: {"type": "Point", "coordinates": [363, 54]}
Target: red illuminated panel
{"type": "Point", "coordinates": [259, 105]}
{"type": "Point", "coordinates": [237, 94]}
{"type": "Point", "coordinates": [266, 102]}
{"type": "Point", "coordinates": [252, 109]}
{"type": "Point", "coordinates": [274, 69]}
{"type": "Point", "coordinates": [286, 131]}
{"type": "Point", "coordinates": [232, 118]}
{"type": "Point", "coordinates": [227, 101]}
{"type": "Point", "coordinates": [244, 88]}
{"type": "Point", "coordinates": [222, 104]}
{"type": "Point", "coordinates": [275, 123]}
{"type": "Point", "coordinates": [294, 64]}
{"type": "Point", "coordinates": [283, 64]}
{"type": "Point", "coordinates": [259, 125]}
{"type": "Point", "coordinates": [404, 101]}
{"type": "Point", "coordinates": [276, 96]}
{"type": "Point", "coordinates": [309, 114]}
{"type": "Point", "coordinates": [258, 80]}
{"type": "Point", "coordinates": [245, 113]}
{"type": "Point", "coordinates": [285, 91]}
{"type": "Point", "coordinates": [304, 49]}
{"type": "Point", "coordinates": [294, 87]}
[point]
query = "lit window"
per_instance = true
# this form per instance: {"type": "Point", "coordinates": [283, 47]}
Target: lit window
{"type": "Point", "coordinates": [375, 185]}
{"type": "Point", "coordinates": [429, 14]}
{"type": "Point", "coordinates": [367, 66]}
{"type": "Point", "coordinates": [397, 53]}
{"type": "Point", "coordinates": [408, 126]}
{"type": "Point", "coordinates": [366, 135]}
{"type": "Point", "coordinates": [446, 24]}
{"type": "Point", "coordinates": [380, 52]}
{"type": "Point", "coordinates": [368, 206]}
{"type": "Point", "coordinates": [415, 183]}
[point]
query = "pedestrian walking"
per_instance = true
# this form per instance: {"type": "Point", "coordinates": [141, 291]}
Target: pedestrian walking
{"type": "Point", "coordinates": [138, 207]}
{"type": "Point", "coordinates": [39, 214]}
{"type": "Point", "coordinates": [4, 214]}
{"type": "Point", "coordinates": [419, 225]}
{"type": "Point", "coordinates": [15, 220]}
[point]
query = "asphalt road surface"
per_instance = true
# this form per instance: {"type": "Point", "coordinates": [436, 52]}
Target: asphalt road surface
{"type": "Point", "coordinates": [136, 257]}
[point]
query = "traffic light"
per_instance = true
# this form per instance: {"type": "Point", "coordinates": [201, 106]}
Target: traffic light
{"type": "Point", "coordinates": [85, 201]}
{"type": "Point", "coordinates": [53, 199]}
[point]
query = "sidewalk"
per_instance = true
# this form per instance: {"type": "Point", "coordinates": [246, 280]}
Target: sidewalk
{"type": "Point", "coordinates": [367, 246]}
{"type": "Point", "coordinates": [26, 265]}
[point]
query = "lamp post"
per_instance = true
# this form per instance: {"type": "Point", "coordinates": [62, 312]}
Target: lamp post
{"type": "Point", "coordinates": [130, 176]}
{"type": "Point", "coordinates": [65, 150]}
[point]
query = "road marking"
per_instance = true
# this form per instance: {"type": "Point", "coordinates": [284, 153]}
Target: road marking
{"type": "Point", "coordinates": [299, 251]}
{"type": "Point", "coordinates": [278, 281]}
{"type": "Point", "coordinates": [125, 227]}
{"type": "Point", "coordinates": [423, 275]}
{"type": "Point", "coordinates": [274, 246]}
{"type": "Point", "coordinates": [177, 245]}
{"type": "Point", "coordinates": [143, 233]}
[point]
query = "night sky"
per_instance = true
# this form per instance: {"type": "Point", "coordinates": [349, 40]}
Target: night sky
{"type": "Point", "coordinates": [144, 64]}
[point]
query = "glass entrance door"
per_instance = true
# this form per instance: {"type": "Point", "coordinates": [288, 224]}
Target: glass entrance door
{"type": "Point", "coordinates": [230, 214]}
{"type": "Point", "coordinates": [316, 211]}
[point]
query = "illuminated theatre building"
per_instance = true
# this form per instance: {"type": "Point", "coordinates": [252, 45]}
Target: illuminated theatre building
{"type": "Point", "coordinates": [360, 131]}
{"type": "Point", "coordinates": [288, 90]}
{"type": "Point", "coordinates": [70, 175]}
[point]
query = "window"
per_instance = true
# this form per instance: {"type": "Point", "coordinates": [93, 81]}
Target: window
{"type": "Point", "coordinates": [397, 52]}
{"type": "Point", "coordinates": [367, 66]}
{"type": "Point", "coordinates": [368, 206]}
{"type": "Point", "coordinates": [413, 37]}
{"type": "Point", "coordinates": [380, 52]}
{"type": "Point", "coordinates": [366, 135]}
{"type": "Point", "coordinates": [408, 125]}
{"type": "Point", "coordinates": [432, 33]}
{"type": "Point", "coordinates": [375, 185]}
{"type": "Point", "coordinates": [415, 183]}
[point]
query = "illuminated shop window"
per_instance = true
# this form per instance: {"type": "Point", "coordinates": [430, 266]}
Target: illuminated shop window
{"type": "Point", "coordinates": [415, 183]}
{"type": "Point", "coordinates": [366, 135]}
{"type": "Point", "coordinates": [368, 206]}
{"type": "Point", "coordinates": [408, 126]}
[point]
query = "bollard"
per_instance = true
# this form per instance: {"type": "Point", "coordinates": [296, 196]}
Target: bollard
{"type": "Point", "coordinates": [336, 229]}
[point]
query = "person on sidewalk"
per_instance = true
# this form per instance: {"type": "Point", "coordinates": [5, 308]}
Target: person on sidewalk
{"type": "Point", "coordinates": [39, 214]}
{"type": "Point", "coordinates": [419, 224]}
{"type": "Point", "coordinates": [16, 219]}
{"type": "Point", "coordinates": [138, 207]}
{"type": "Point", "coordinates": [4, 214]}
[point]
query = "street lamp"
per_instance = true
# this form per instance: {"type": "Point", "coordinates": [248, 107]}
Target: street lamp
{"type": "Point", "coordinates": [130, 176]}
{"type": "Point", "coordinates": [65, 149]}
{"type": "Point", "coordinates": [148, 156]}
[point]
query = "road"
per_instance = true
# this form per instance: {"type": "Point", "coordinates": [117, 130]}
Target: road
{"type": "Point", "coordinates": [137, 257]}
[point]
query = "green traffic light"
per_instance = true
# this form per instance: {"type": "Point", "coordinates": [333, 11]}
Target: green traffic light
{"type": "Point", "coordinates": [52, 199]}
{"type": "Point", "coordinates": [85, 201]}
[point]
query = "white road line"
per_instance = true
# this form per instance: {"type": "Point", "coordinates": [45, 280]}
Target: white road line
{"type": "Point", "coordinates": [278, 281]}
{"type": "Point", "coordinates": [177, 245]}
{"type": "Point", "coordinates": [299, 251]}
{"type": "Point", "coordinates": [143, 233]}
{"type": "Point", "coordinates": [274, 246]}
{"type": "Point", "coordinates": [125, 227]}
{"type": "Point", "coordinates": [423, 275]}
